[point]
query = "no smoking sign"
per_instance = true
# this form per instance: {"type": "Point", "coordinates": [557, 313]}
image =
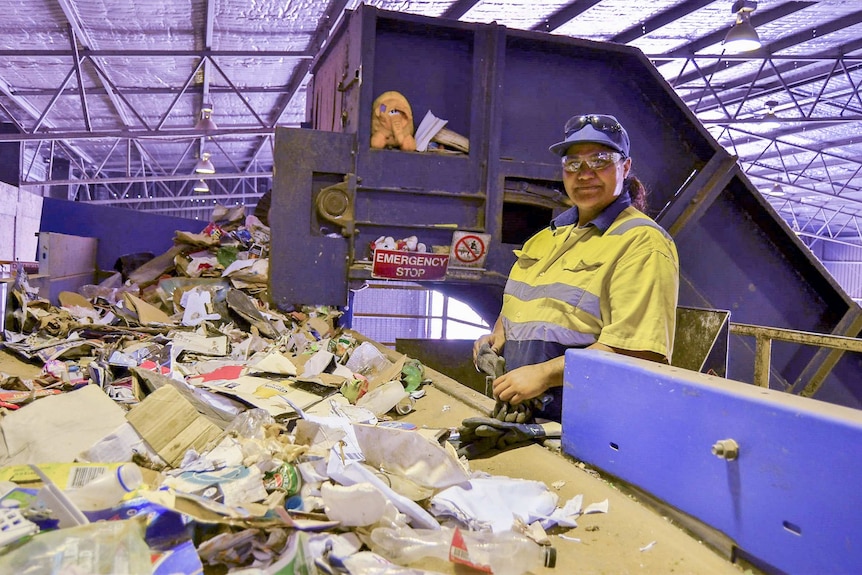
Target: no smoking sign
{"type": "Point", "coordinates": [469, 249]}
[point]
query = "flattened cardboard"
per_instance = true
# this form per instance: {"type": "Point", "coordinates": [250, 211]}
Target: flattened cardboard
{"type": "Point", "coordinates": [73, 299]}
{"type": "Point", "coordinates": [196, 343]}
{"type": "Point", "coordinates": [153, 269]}
{"type": "Point", "coordinates": [321, 326]}
{"type": "Point", "coordinates": [387, 374]}
{"type": "Point", "coordinates": [148, 314]}
{"type": "Point", "coordinates": [171, 425]}
{"type": "Point", "coordinates": [274, 362]}
{"type": "Point", "coordinates": [218, 413]}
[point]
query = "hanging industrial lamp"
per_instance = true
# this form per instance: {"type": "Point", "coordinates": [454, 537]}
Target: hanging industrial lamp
{"type": "Point", "coordinates": [770, 120]}
{"type": "Point", "coordinates": [742, 37]}
{"type": "Point", "coordinates": [206, 123]}
{"type": "Point", "coordinates": [201, 187]}
{"type": "Point", "coordinates": [204, 165]}
{"type": "Point", "coordinates": [776, 190]}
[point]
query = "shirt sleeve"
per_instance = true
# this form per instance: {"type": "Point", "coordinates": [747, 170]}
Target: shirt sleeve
{"type": "Point", "coordinates": [639, 307]}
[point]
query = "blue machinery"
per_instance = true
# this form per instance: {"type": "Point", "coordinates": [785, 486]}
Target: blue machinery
{"type": "Point", "coordinates": [787, 500]}
{"type": "Point", "coordinates": [776, 473]}
{"type": "Point", "coordinates": [509, 92]}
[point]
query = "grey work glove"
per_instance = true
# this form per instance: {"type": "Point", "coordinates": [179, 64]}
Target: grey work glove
{"type": "Point", "coordinates": [520, 413]}
{"type": "Point", "coordinates": [479, 435]}
{"type": "Point", "coordinates": [488, 362]}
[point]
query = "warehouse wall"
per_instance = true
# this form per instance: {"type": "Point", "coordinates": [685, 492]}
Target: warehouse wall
{"type": "Point", "coordinates": [19, 221]}
{"type": "Point", "coordinates": [119, 231]}
{"type": "Point", "coordinates": [844, 262]}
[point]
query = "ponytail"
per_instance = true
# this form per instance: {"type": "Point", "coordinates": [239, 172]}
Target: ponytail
{"type": "Point", "coordinates": [637, 192]}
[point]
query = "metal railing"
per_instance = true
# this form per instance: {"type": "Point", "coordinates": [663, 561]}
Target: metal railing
{"type": "Point", "coordinates": [764, 337]}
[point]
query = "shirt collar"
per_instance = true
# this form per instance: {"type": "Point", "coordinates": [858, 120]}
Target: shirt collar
{"type": "Point", "coordinates": [602, 221]}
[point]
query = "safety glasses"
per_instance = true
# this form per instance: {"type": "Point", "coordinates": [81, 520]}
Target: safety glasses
{"type": "Point", "coordinates": [602, 123]}
{"type": "Point", "coordinates": [598, 161]}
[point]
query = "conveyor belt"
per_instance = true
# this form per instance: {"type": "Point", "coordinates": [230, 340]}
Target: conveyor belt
{"type": "Point", "coordinates": [609, 543]}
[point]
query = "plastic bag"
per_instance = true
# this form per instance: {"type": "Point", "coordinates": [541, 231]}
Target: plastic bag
{"type": "Point", "coordinates": [251, 424]}
{"type": "Point", "coordinates": [97, 548]}
{"type": "Point", "coordinates": [366, 359]}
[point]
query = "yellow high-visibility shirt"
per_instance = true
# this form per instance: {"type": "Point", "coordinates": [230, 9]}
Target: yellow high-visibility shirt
{"type": "Point", "coordinates": [572, 286]}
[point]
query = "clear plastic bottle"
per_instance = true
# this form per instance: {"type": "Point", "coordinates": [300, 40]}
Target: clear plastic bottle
{"type": "Point", "coordinates": [108, 489]}
{"type": "Point", "coordinates": [504, 553]}
{"type": "Point", "coordinates": [383, 398]}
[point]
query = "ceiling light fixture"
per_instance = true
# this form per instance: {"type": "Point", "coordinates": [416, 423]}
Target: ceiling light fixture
{"type": "Point", "coordinates": [771, 121]}
{"type": "Point", "coordinates": [206, 123]}
{"type": "Point", "coordinates": [776, 190]}
{"type": "Point", "coordinates": [204, 165]}
{"type": "Point", "coordinates": [201, 187]}
{"type": "Point", "coordinates": [742, 37]}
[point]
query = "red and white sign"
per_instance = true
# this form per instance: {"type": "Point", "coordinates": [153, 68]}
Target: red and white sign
{"type": "Point", "coordinates": [413, 266]}
{"type": "Point", "coordinates": [469, 249]}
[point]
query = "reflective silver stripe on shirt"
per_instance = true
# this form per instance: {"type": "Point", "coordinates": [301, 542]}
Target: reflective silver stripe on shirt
{"type": "Point", "coordinates": [549, 332]}
{"type": "Point", "coordinates": [635, 223]}
{"type": "Point", "coordinates": [574, 296]}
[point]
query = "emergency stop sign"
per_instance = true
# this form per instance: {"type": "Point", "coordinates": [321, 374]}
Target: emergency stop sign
{"type": "Point", "coordinates": [412, 266]}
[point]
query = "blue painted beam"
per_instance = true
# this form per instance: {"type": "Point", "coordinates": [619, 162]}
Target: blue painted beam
{"type": "Point", "coordinates": [790, 500]}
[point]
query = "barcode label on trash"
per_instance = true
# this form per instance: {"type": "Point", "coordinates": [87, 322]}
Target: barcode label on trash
{"type": "Point", "coordinates": [80, 476]}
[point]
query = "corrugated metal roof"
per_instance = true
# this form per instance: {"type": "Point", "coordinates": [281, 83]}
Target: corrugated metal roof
{"type": "Point", "coordinates": [126, 111]}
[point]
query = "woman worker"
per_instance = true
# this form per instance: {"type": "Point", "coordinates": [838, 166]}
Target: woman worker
{"type": "Point", "coordinates": [602, 276]}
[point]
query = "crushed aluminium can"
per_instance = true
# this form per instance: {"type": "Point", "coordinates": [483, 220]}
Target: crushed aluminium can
{"type": "Point", "coordinates": [285, 478]}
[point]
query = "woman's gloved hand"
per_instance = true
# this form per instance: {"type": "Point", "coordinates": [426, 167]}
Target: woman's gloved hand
{"type": "Point", "coordinates": [520, 413]}
{"type": "Point", "coordinates": [488, 362]}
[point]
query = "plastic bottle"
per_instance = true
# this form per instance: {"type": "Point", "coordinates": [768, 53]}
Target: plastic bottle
{"type": "Point", "coordinates": [504, 553]}
{"type": "Point", "coordinates": [383, 397]}
{"type": "Point", "coordinates": [108, 489]}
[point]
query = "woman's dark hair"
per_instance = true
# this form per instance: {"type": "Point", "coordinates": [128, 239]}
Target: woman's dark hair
{"type": "Point", "coordinates": [637, 191]}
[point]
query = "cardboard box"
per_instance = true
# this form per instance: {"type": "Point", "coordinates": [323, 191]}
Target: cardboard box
{"type": "Point", "coordinates": [65, 264]}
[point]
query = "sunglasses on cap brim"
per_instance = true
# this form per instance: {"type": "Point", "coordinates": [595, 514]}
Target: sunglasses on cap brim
{"type": "Point", "coordinates": [606, 124]}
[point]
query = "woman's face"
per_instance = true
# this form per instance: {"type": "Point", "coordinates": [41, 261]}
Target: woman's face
{"type": "Point", "coordinates": [592, 190]}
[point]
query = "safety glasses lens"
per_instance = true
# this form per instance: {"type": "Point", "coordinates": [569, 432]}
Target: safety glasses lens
{"type": "Point", "coordinates": [596, 162]}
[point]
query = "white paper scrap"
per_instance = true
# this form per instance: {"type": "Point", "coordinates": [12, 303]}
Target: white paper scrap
{"type": "Point", "coordinates": [318, 363]}
{"type": "Point", "coordinates": [237, 265]}
{"type": "Point", "coordinates": [428, 128]}
{"type": "Point", "coordinates": [567, 538]}
{"type": "Point", "coordinates": [600, 507]}
{"type": "Point", "coordinates": [195, 303]}
{"type": "Point", "coordinates": [120, 445]}
{"type": "Point", "coordinates": [565, 515]}
{"type": "Point", "coordinates": [348, 448]}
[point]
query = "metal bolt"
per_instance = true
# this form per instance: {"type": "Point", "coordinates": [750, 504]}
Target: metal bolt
{"type": "Point", "coordinates": [726, 449]}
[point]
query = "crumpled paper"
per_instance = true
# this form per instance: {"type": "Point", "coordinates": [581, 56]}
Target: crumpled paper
{"type": "Point", "coordinates": [495, 502]}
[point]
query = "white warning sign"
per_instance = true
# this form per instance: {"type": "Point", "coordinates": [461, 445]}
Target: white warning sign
{"type": "Point", "coordinates": [469, 249]}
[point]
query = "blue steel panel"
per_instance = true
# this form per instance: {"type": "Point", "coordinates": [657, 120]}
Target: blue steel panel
{"type": "Point", "coordinates": [309, 263]}
{"type": "Point", "coordinates": [120, 231]}
{"type": "Point", "coordinates": [791, 499]}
